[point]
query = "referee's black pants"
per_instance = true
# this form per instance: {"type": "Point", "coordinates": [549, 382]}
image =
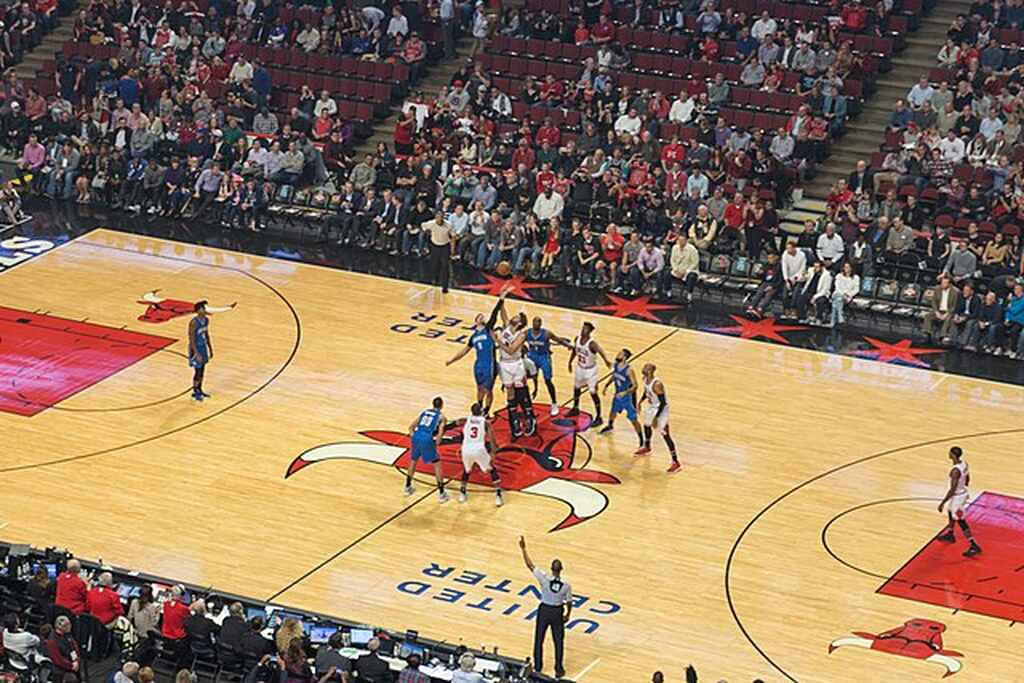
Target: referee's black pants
{"type": "Point", "coordinates": [439, 265]}
{"type": "Point", "coordinates": [548, 616]}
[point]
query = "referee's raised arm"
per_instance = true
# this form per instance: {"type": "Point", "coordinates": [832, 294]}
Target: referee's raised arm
{"type": "Point", "coordinates": [554, 610]}
{"type": "Point", "coordinates": [526, 555]}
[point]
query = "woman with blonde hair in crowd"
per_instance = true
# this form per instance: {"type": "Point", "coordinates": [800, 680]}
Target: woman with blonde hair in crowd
{"type": "Point", "coordinates": [289, 630]}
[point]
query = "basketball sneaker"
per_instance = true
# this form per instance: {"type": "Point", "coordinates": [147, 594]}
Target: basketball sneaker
{"type": "Point", "coordinates": [607, 429]}
{"type": "Point", "coordinates": [642, 451]}
{"type": "Point", "coordinates": [554, 411]}
{"type": "Point", "coordinates": [499, 500]}
{"type": "Point", "coordinates": [973, 550]}
{"type": "Point", "coordinates": [443, 497]}
{"type": "Point", "coordinates": [409, 490]}
{"type": "Point", "coordinates": [463, 497]}
{"type": "Point", "coordinates": [597, 422]}
{"type": "Point", "coordinates": [947, 537]}
{"type": "Point", "coordinates": [674, 467]}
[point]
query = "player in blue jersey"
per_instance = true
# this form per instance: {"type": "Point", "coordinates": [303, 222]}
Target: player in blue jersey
{"type": "Point", "coordinates": [538, 351]}
{"type": "Point", "coordinates": [200, 349]}
{"type": "Point", "coordinates": [624, 380]}
{"type": "Point", "coordinates": [426, 432]}
{"type": "Point", "coordinates": [484, 342]}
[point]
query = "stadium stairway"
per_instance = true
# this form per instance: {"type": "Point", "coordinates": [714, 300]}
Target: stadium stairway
{"type": "Point", "coordinates": [32, 62]}
{"type": "Point", "coordinates": [438, 76]}
{"type": "Point", "coordinates": [867, 132]}
{"type": "Point", "coordinates": [53, 42]}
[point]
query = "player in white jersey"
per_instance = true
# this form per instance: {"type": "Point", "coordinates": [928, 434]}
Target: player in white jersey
{"type": "Point", "coordinates": [656, 416]}
{"type": "Point", "coordinates": [512, 368]}
{"type": "Point", "coordinates": [478, 447]}
{"type": "Point", "coordinates": [585, 351]}
{"type": "Point", "coordinates": [957, 497]}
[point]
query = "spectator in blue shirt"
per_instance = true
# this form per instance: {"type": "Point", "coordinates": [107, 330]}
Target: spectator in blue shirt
{"type": "Point", "coordinates": [901, 116]}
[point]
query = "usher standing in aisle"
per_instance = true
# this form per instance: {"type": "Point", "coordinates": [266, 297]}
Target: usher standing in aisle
{"type": "Point", "coordinates": [554, 611]}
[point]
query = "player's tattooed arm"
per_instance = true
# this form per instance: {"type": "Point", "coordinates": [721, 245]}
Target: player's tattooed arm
{"type": "Point", "coordinates": [596, 348]}
{"type": "Point", "coordinates": [659, 391]}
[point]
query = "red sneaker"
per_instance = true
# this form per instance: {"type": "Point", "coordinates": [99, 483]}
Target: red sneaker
{"type": "Point", "coordinates": [643, 450]}
{"type": "Point", "coordinates": [674, 467]}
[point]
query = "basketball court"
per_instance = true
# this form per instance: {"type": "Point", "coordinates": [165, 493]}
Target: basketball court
{"type": "Point", "coordinates": [800, 528]}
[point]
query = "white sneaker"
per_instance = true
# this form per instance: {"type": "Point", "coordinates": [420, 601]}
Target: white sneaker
{"type": "Point", "coordinates": [443, 496]}
{"type": "Point", "coordinates": [409, 490]}
{"type": "Point", "coordinates": [463, 497]}
{"type": "Point", "coordinates": [499, 500]}
{"type": "Point", "coordinates": [554, 411]}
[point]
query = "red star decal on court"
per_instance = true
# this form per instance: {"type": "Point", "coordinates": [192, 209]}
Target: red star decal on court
{"type": "Point", "coordinates": [902, 351]}
{"type": "Point", "coordinates": [765, 328]}
{"type": "Point", "coordinates": [517, 286]}
{"type": "Point", "coordinates": [641, 307]}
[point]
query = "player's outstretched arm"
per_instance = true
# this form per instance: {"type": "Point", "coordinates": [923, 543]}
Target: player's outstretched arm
{"type": "Point", "coordinates": [498, 308]}
{"type": "Point", "coordinates": [561, 341]}
{"type": "Point", "coordinates": [596, 348]}
{"type": "Point", "coordinates": [458, 356]}
{"type": "Point", "coordinates": [220, 309]}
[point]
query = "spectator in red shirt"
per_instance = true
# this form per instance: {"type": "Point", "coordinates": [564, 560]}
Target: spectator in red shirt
{"type": "Point", "coordinates": [854, 16]}
{"type": "Point", "coordinates": [404, 131]}
{"type": "Point", "coordinates": [672, 153]}
{"type": "Point", "coordinates": [552, 91]}
{"type": "Point", "coordinates": [581, 36]}
{"type": "Point", "coordinates": [659, 106]}
{"type": "Point", "coordinates": [735, 215]}
{"type": "Point", "coordinates": [103, 601]}
{"type": "Point", "coordinates": [524, 156]}
{"type": "Point", "coordinates": [603, 31]}
{"type": "Point", "coordinates": [612, 243]}
{"type": "Point", "coordinates": [175, 614]}
{"type": "Point", "coordinates": [545, 178]}
{"type": "Point", "coordinates": [72, 591]}
{"type": "Point", "coordinates": [675, 181]}
{"type": "Point", "coordinates": [549, 133]}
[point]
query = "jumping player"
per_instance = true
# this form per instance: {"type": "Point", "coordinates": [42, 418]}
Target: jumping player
{"type": "Point", "coordinates": [583, 352]}
{"type": "Point", "coordinates": [512, 369]}
{"type": "Point", "coordinates": [957, 497]}
{"type": "Point", "coordinates": [656, 416]}
{"type": "Point", "coordinates": [624, 401]}
{"type": "Point", "coordinates": [483, 342]}
{"type": "Point", "coordinates": [425, 433]}
{"type": "Point", "coordinates": [538, 344]}
{"type": "Point", "coordinates": [200, 349]}
{"type": "Point", "coordinates": [478, 448]}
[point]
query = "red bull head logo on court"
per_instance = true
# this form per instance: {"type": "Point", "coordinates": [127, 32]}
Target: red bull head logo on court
{"type": "Point", "coordinates": [540, 465]}
{"type": "Point", "coordinates": [917, 639]}
{"type": "Point", "coordinates": [161, 309]}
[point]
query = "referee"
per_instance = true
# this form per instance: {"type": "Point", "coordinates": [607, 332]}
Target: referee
{"type": "Point", "coordinates": [442, 246]}
{"type": "Point", "coordinates": [555, 608]}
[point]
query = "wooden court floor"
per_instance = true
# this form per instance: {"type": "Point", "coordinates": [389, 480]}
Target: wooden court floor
{"type": "Point", "coordinates": [808, 480]}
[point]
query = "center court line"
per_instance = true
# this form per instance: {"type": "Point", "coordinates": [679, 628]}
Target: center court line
{"type": "Point", "coordinates": [353, 544]}
{"type": "Point", "coordinates": [586, 669]}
